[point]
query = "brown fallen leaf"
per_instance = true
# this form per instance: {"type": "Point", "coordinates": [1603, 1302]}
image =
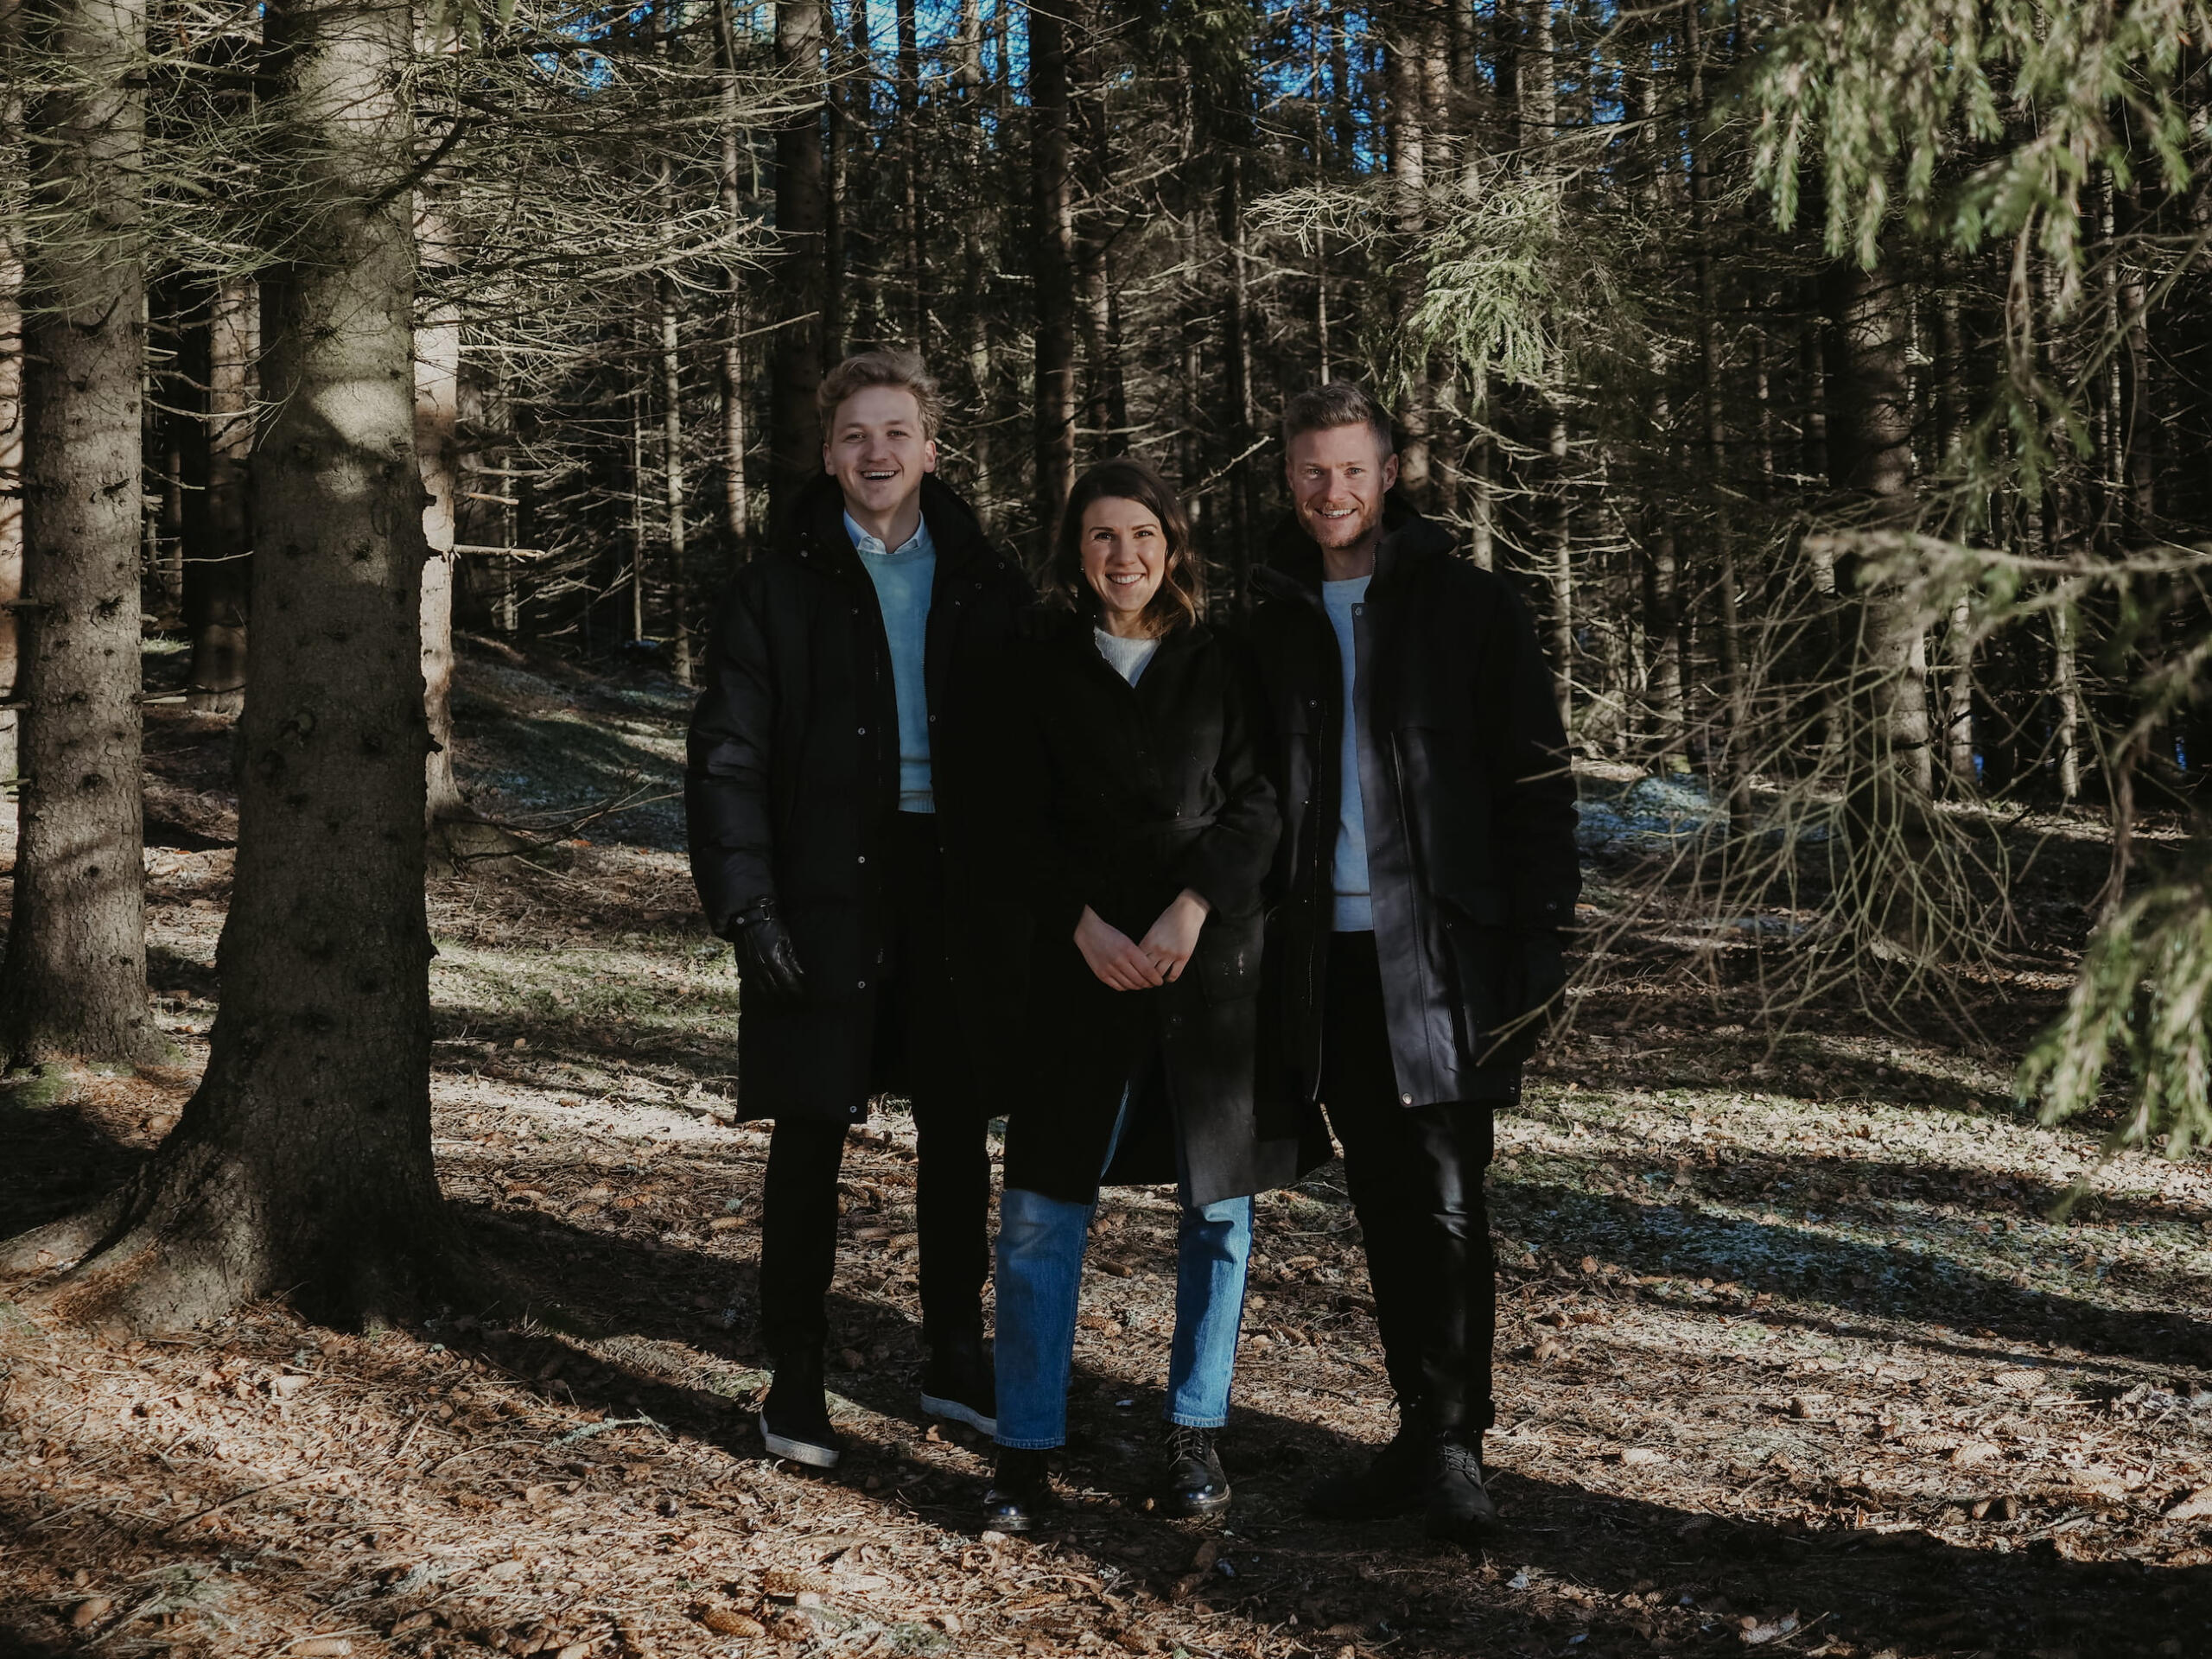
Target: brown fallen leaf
{"type": "Point", "coordinates": [2197, 1506]}
{"type": "Point", "coordinates": [1975, 1451]}
{"type": "Point", "coordinates": [1208, 1552]}
{"type": "Point", "coordinates": [321, 1647]}
{"type": "Point", "coordinates": [410, 1624]}
{"type": "Point", "coordinates": [89, 1611]}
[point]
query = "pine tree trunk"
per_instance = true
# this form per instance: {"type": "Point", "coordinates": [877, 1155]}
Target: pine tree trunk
{"type": "Point", "coordinates": [671, 414]}
{"type": "Point", "coordinates": [1409, 179]}
{"type": "Point", "coordinates": [11, 400]}
{"type": "Point", "coordinates": [1052, 201]}
{"type": "Point", "coordinates": [802, 210]}
{"type": "Point", "coordinates": [303, 1165]}
{"type": "Point", "coordinates": [11, 477]}
{"type": "Point", "coordinates": [911, 220]}
{"type": "Point", "coordinates": [74, 983]}
{"type": "Point", "coordinates": [218, 563]}
{"type": "Point", "coordinates": [437, 448]}
{"type": "Point", "coordinates": [736, 513]}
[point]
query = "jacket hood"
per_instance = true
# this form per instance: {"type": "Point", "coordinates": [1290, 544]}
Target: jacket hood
{"type": "Point", "coordinates": [1291, 565]}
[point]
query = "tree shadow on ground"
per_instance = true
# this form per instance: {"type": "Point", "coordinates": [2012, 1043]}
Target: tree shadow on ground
{"type": "Point", "coordinates": [1859, 1278]}
{"type": "Point", "coordinates": [54, 1158]}
{"type": "Point", "coordinates": [1610, 1575]}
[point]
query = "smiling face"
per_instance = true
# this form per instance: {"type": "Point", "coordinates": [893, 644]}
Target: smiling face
{"type": "Point", "coordinates": [876, 451]}
{"type": "Point", "coordinates": [1124, 560]}
{"type": "Point", "coordinates": [1338, 477]}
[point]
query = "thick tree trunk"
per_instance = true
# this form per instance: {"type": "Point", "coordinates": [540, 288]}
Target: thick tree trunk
{"type": "Point", "coordinates": [218, 561]}
{"type": "Point", "coordinates": [74, 983]}
{"type": "Point", "coordinates": [802, 210]}
{"type": "Point", "coordinates": [1871, 441]}
{"type": "Point", "coordinates": [1052, 201]}
{"type": "Point", "coordinates": [303, 1165]}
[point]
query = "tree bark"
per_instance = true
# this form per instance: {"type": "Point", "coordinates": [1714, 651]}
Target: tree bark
{"type": "Point", "coordinates": [1738, 738]}
{"type": "Point", "coordinates": [437, 449]}
{"type": "Point", "coordinates": [74, 983]}
{"type": "Point", "coordinates": [736, 510]}
{"type": "Point", "coordinates": [802, 209]}
{"type": "Point", "coordinates": [912, 218]}
{"type": "Point", "coordinates": [218, 558]}
{"type": "Point", "coordinates": [11, 476]}
{"type": "Point", "coordinates": [1870, 439]}
{"type": "Point", "coordinates": [671, 431]}
{"type": "Point", "coordinates": [1052, 201]}
{"type": "Point", "coordinates": [302, 1164]}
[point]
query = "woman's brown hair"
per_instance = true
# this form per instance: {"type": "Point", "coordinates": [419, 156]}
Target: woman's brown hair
{"type": "Point", "coordinates": [1128, 480]}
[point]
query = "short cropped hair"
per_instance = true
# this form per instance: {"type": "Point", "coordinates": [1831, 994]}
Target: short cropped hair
{"type": "Point", "coordinates": [1340, 402]}
{"type": "Point", "coordinates": [1176, 603]}
{"type": "Point", "coordinates": [901, 369]}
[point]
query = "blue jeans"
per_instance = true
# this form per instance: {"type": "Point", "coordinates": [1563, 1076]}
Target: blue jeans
{"type": "Point", "coordinates": [1041, 1245]}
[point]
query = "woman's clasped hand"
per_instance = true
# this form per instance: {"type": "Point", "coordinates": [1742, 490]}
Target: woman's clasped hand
{"type": "Point", "coordinates": [1159, 958]}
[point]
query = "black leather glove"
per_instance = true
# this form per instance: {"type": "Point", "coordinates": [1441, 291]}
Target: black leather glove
{"type": "Point", "coordinates": [766, 959]}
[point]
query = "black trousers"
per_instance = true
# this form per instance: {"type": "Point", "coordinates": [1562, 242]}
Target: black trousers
{"type": "Point", "coordinates": [918, 1050]}
{"type": "Point", "coordinates": [1416, 1174]}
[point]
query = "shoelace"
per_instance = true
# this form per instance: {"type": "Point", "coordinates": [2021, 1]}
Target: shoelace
{"type": "Point", "coordinates": [1183, 1441]}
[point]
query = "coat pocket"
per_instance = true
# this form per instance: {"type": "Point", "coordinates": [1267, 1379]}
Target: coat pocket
{"type": "Point", "coordinates": [1485, 963]}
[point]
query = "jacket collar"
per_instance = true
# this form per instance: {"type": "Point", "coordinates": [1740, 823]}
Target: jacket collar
{"type": "Point", "coordinates": [818, 517]}
{"type": "Point", "coordinates": [1292, 566]}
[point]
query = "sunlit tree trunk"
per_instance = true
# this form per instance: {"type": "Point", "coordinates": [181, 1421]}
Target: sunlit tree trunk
{"type": "Point", "coordinates": [301, 1166]}
{"type": "Point", "coordinates": [73, 982]}
{"type": "Point", "coordinates": [219, 566]}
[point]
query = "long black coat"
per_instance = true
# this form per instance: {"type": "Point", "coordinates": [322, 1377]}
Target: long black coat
{"type": "Point", "coordinates": [1119, 796]}
{"type": "Point", "coordinates": [793, 778]}
{"type": "Point", "coordinates": [1468, 799]}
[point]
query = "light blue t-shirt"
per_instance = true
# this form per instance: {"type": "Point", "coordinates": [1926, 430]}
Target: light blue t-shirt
{"type": "Point", "coordinates": [1348, 870]}
{"type": "Point", "coordinates": [902, 579]}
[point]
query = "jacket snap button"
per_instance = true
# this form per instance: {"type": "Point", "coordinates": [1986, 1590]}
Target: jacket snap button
{"type": "Point", "coordinates": [864, 987]}
{"type": "Point", "coordinates": [1405, 1100]}
{"type": "Point", "coordinates": [863, 858]}
{"type": "Point", "coordinates": [863, 731]}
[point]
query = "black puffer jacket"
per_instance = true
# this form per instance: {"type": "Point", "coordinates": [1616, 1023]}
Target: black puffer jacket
{"type": "Point", "coordinates": [793, 778]}
{"type": "Point", "coordinates": [1469, 806]}
{"type": "Point", "coordinates": [1119, 797]}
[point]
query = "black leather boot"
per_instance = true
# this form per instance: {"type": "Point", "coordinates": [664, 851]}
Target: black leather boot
{"type": "Point", "coordinates": [795, 1418]}
{"type": "Point", "coordinates": [958, 1383]}
{"type": "Point", "coordinates": [1395, 1483]}
{"type": "Point", "coordinates": [1459, 1507]}
{"type": "Point", "coordinates": [1020, 1489]}
{"type": "Point", "coordinates": [1193, 1482]}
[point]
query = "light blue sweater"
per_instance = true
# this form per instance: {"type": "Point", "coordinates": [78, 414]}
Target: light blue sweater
{"type": "Point", "coordinates": [903, 579]}
{"type": "Point", "coordinates": [1348, 869]}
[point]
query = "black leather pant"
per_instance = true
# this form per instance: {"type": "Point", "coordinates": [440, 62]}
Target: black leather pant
{"type": "Point", "coordinates": [918, 1050]}
{"type": "Point", "coordinates": [1415, 1173]}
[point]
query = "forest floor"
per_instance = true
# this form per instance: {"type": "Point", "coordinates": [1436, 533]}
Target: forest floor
{"type": "Point", "coordinates": [1792, 1354]}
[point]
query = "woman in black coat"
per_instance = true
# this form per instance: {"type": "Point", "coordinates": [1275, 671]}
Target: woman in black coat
{"type": "Point", "coordinates": [1141, 829]}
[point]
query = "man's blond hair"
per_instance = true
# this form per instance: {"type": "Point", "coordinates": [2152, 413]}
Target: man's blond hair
{"type": "Point", "coordinates": [903, 370]}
